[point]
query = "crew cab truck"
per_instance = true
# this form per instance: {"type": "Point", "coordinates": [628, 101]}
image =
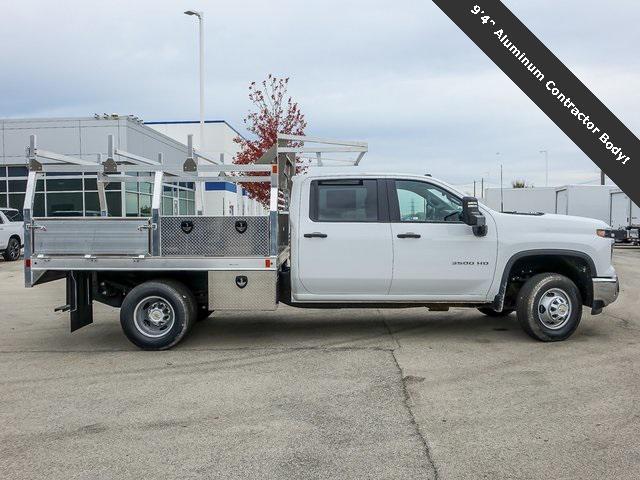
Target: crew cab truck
{"type": "Point", "coordinates": [11, 233]}
{"type": "Point", "coordinates": [341, 237]}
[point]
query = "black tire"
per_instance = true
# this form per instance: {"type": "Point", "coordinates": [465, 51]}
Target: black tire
{"type": "Point", "coordinates": [12, 253]}
{"type": "Point", "coordinates": [490, 312]}
{"type": "Point", "coordinates": [168, 299]}
{"type": "Point", "coordinates": [549, 307]}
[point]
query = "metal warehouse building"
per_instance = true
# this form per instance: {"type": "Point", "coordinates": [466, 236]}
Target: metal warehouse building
{"type": "Point", "coordinates": [590, 201]}
{"type": "Point", "coordinates": [76, 194]}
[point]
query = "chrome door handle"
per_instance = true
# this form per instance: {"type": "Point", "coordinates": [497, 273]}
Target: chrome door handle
{"type": "Point", "coordinates": [409, 235]}
{"type": "Point", "coordinates": [315, 235]}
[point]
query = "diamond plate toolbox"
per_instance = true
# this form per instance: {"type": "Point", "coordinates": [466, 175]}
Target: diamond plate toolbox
{"type": "Point", "coordinates": [214, 236]}
{"type": "Point", "coordinates": [242, 290]}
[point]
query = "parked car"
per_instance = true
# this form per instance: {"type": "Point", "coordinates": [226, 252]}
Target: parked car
{"type": "Point", "coordinates": [11, 232]}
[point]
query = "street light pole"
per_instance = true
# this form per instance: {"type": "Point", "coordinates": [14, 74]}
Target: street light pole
{"type": "Point", "coordinates": [546, 161]}
{"type": "Point", "coordinates": [501, 185]}
{"type": "Point", "coordinates": [200, 15]}
{"type": "Point", "coordinates": [501, 191]}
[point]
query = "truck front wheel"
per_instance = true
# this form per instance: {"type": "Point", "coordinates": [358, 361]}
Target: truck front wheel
{"type": "Point", "coordinates": [12, 253]}
{"type": "Point", "coordinates": [549, 307]}
{"type": "Point", "coordinates": [157, 314]}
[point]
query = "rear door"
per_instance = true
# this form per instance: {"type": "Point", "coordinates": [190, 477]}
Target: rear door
{"type": "Point", "coordinates": [345, 250]}
{"type": "Point", "coordinates": [436, 256]}
{"type": "Point", "coordinates": [620, 210]}
{"type": "Point", "coordinates": [562, 202]}
{"type": "Point", "coordinates": [635, 215]}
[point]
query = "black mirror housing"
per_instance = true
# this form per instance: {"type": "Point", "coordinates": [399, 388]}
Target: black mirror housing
{"type": "Point", "coordinates": [472, 216]}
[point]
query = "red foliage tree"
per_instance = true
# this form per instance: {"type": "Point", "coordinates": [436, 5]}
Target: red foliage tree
{"type": "Point", "coordinates": [274, 112]}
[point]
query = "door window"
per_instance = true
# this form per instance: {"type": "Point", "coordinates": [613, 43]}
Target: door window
{"type": "Point", "coordinates": [424, 202]}
{"type": "Point", "coordinates": [344, 201]}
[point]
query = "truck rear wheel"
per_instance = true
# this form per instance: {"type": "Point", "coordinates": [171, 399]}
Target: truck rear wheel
{"type": "Point", "coordinates": [157, 314]}
{"type": "Point", "coordinates": [549, 307]}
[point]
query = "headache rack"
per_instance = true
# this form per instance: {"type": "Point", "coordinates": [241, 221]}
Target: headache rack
{"type": "Point", "coordinates": [171, 243]}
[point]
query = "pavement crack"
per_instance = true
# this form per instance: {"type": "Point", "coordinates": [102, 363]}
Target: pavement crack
{"type": "Point", "coordinates": [407, 404]}
{"type": "Point", "coordinates": [386, 325]}
{"type": "Point", "coordinates": [625, 323]}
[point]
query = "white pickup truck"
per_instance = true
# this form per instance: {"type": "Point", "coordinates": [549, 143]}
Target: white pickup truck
{"type": "Point", "coordinates": [11, 232]}
{"type": "Point", "coordinates": [335, 238]}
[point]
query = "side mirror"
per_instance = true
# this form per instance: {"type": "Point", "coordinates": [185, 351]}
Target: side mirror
{"type": "Point", "coordinates": [472, 216]}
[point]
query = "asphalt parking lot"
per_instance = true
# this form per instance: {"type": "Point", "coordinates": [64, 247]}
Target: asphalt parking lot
{"type": "Point", "coordinates": [375, 394]}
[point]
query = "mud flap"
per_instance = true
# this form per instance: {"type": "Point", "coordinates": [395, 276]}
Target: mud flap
{"type": "Point", "coordinates": [79, 299]}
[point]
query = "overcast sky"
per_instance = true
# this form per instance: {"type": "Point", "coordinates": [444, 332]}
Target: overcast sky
{"type": "Point", "coordinates": [399, 75]}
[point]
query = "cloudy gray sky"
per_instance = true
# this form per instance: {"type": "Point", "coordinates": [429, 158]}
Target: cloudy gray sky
{"type": "Point", "coordinates": [399, 75]}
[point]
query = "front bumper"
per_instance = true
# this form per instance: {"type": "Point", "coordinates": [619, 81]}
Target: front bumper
{"type": "Point", "coordinates": [605, 292]}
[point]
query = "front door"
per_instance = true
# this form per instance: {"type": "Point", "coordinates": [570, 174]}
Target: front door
{"type": "Point", "coordinates": [436, 256]}
{"type": "Point", "coordinates": [345, 250]}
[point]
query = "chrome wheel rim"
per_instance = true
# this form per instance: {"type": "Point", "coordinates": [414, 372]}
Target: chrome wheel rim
{"type": "Point", "coordinates": [554, 308]}
{"type": "Point", "coordinates": [154, 317]}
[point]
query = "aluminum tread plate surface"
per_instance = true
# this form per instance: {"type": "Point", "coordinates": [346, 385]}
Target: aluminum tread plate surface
{"type": "Point", "coordinates": [259, 292]}
{"type": "Point", "coordinates": [213, 236]}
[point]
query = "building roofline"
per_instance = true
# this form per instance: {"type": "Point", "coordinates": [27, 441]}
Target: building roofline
{"type": "Point", "coordinates": [116, 118]}
{"type": "Point", "coordinates": [190, 122]}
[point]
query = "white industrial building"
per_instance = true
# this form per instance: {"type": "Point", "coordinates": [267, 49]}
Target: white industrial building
{"type": "Point", "coordinates": [592, 201]}
{"type": "Point", "coordinates": [217, 143]}
{"type": "Point", "coordinates": [76, 194]}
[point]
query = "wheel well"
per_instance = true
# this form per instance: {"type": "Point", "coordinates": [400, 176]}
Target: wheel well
{"type": "Point", "coordinates": [574, 267]}
{"type": "Point", "coordinates": [15, 235]}
{"type": "Point", "coordinates": [111, 287]}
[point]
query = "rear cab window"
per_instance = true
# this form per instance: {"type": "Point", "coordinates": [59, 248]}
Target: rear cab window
{"type": "Point", "coordinates": [348, 200]}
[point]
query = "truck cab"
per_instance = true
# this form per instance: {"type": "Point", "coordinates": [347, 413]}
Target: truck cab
{"type": "Point", "coordinates": [392, 238]}
{"type": "Point", "coordinates": [361, 238]}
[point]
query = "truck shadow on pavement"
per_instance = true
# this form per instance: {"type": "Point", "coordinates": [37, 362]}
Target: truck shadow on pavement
{"type": "Point", "coordinates": [364, 329]}
{"type": "Point", "coordinates": [292, 329]}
